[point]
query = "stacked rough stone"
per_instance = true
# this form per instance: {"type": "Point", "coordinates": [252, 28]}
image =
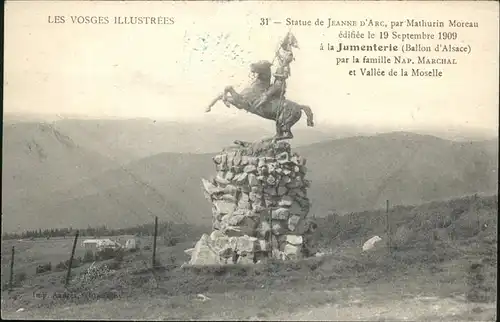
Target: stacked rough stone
{"type": "Point", "coordinates": [259, 205]}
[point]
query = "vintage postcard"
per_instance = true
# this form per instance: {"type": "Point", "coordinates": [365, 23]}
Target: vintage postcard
{"type": "Point", "coordinates": [292, 160]}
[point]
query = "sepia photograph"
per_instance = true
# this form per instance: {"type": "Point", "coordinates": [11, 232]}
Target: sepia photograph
{"type": "Point", "coordinates": [250, 160]}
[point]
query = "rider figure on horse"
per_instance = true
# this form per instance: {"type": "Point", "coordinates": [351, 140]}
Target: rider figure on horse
{"type": "Point", "coordinates": [278, 88]}
{"type": "Point", "coordinates": [265, 99]}
{"type": "Point", "coordinates": [275, 91]}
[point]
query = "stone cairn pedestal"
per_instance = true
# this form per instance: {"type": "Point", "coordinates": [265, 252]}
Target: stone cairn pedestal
{"type": "Point", "coordinates": [259, 205]}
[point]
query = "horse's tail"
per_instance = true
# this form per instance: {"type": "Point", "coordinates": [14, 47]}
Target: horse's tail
{"type": "Point", "coordinates": [309, 114]}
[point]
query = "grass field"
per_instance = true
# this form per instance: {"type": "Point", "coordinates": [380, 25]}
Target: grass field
{"type": "Point", "coordinates": [425, 276]}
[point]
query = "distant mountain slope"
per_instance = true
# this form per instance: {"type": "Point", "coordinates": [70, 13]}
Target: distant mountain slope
{"type": "Point", "coordinates": [161, 186]}
{"type": "Point", "coordinates": [362, 172]}
{"type": "Point", "coordinates": [37, 158]}
{"type": "Point", "coordinates": [128, 140]}
{"type": "Point", "coordinates": [347, 175]}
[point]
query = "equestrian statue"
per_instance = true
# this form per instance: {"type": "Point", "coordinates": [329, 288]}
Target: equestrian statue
{"type": "Point", "coordinates": [268, 100]}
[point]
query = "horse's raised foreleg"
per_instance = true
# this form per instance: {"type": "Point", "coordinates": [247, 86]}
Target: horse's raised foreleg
{"type": "Point", "coordinates": [236, 98]}
{"type": "Point", "coordinates": [229, 89]}
{"type": "Point", "coordinates": [215, 100]}
{"type": "Point", "coordinates": [230, 97]}
{"type": "Point", "coordinates": [233, 99]}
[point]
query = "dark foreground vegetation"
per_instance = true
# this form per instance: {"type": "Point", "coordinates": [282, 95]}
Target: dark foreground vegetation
{"type": "Point", "coordinates": [164, 228]}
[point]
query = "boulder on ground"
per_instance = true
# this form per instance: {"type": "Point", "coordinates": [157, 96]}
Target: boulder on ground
{"type": "Point", "coordinates": [203, 253]}
{"type": "Point", "coordinates": [370, 243]}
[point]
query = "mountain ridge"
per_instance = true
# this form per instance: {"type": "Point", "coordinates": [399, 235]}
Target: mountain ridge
{"type": "Point", "coordinates": [347, 174]}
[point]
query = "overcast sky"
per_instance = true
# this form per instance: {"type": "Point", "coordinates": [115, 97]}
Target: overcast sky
{"type": "Point", "coordinates": [173, 71]}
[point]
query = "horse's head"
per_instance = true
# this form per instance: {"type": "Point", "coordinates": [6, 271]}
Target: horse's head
{"type": "Point", "coordinates": [261, 70]}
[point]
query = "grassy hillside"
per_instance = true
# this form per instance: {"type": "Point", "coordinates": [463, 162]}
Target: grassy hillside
{"type": "Point", "coordinates": [443, 236]}
{"type": "Point", "coordinates": [434, 251]}
{"type": "Point", "coordinates": [347, 175]}
{"type": "Point", "coordinates": [470, 218]}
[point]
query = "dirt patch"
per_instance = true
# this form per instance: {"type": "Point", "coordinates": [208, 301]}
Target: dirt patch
{"type": "Point", "coordinates": [417, 309]}
{"type": "Point", "coordinates": [381, 302]}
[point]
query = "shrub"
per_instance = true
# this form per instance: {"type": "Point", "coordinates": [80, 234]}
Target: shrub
{"type": "Point", "coordinates": [172, 259]}
{"type": "Point", "coordinates": [170, 241]}
{"type": "Point", "coordinates": [61, 266]}
{"type": "Point", "coordinates": [110, 253]}
{"type": "Point", "coordinates": [402, 237]}
{"type": "Point", "coordinates": [158, 263]}
{"type": "Point", "coordinates": [478, 290]}
{"type": "Point", "coordinates": [114, 265]}
{"type": "Point", "coordinates": [117, 260]}
{"type": "Point", "coordinates": [44, 268]}
{"type": "Point", "coordinates": [77, 262]}
{"type": "Point", "coordinates": [19, 278]}
{"type": "Point", "coordinates": [88, 257]}
{"type": "Point", "coordinates": [119, 255]}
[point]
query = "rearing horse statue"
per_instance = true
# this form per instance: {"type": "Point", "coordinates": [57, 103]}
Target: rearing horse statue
{"type": "Point", "coordinates": [283, 111]}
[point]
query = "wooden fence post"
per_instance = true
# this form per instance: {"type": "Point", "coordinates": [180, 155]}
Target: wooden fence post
{"type": "Point", "coordinates": [11, 278]}
{"type": "Point", "coordinates": [154, 242]}
{"type": "Point", "coordinates": [71, 260]}
{"type": "Point", "coordinates": [388, 226]}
